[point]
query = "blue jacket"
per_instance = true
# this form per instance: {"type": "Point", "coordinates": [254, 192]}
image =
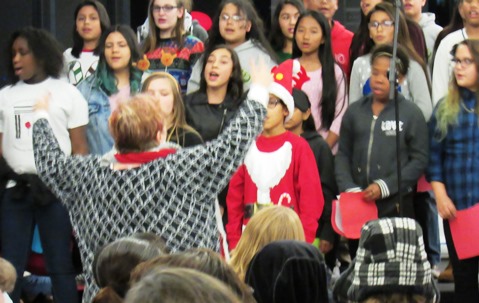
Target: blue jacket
{"type": "Point", "coordinates": [98, 133]}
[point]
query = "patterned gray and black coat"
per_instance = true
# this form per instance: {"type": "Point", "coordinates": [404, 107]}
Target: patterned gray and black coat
{"type": "Point", "coordinates": [172, 197]}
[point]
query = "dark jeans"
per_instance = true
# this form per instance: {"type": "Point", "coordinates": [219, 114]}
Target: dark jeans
{"type": "Point", "coordinates": [17, 222]}
{"type": "Point", "coordinates": [465, 271]}
{"type": "Point", "coordinates": [426, 214]}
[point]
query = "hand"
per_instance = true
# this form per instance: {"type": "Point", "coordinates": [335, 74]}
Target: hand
{"type": "Point", "coordinates": [43, 102]}
{"type": "Point", "coordinates": [325, 246]}
{"type": "Point", "coordinates": [260, 73]}
{"type": "Point", "coordinates": [372, 192]}
{"type": "Point", "coordinates": [445, 207]}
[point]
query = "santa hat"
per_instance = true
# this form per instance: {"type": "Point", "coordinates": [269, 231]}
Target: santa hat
{"type": "Point", "coordinates": [288, 75]}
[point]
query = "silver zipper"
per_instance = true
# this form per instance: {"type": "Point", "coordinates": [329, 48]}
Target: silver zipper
{"type": "Point", "coordinates": [370, 146]}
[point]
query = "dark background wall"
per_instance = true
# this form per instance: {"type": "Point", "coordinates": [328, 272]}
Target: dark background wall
{"type": "Point", "coordinates": [57, 16]}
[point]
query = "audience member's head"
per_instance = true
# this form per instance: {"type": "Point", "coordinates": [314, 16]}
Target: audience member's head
{"type": "Point", "coordinates": [203, 260]}
{"type": "Point", "coordinates": [180, 285]}
{"type": "Point", "coordinates": [114, 262]}
{"type": "Point", "coordinates": [390, 263]}
{"type": "Point", "coordinates": [8, 276]}
{"type": "Point", "coordinates": [288, 272]}
{"type": "Point", "coordinates": [269, 224]}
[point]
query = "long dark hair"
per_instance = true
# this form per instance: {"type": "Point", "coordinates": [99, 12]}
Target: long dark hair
{"type": "Point", "coordinates": [328, 73]}
{"type": "Point", "coordinates": [235, 84]}
{"type": "Point", "coordinates": [104, 24]}
{"type": "Point", "coordinates": [105, 77]}
{"type": "Point", "coordinates": [276, 36]}
{"type": "Point", "coordinates": [403, 36]}
{"type": "Point", "coordinates": [361, 43]}
{"type": "Point", "coordinates": [256, 34]}
{"type": "Point", "coordinates": [456, 23]}
{"type": "Point", "coordinates": [45, 49]}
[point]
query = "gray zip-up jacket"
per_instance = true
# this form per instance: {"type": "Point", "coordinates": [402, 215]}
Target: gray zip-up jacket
{"type": "Point", "coordinates": [367, 147]}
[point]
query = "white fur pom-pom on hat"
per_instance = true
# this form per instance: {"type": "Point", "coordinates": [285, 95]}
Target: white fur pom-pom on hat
{"type": "Point", "coordinates": [287, 75]}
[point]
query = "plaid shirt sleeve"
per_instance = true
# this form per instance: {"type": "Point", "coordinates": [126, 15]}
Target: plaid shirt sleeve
{"type": "Point", "coordinates": [454, 160]}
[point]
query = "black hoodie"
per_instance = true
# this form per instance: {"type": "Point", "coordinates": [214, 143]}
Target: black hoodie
{"type": "Point", "coordinates": [288, 272]}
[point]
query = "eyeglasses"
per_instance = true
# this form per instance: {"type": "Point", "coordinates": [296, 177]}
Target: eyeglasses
{"type": "Point", "coordinates": [165, 8]}
{"type": "Point", "coordinates": [384, 24]}
{"type": "Point", "coordinates": [234, 18]}
{"type": "Point", "coordinates": [272, 103]}
{"type": "Point", "coordinates": [463, 63]}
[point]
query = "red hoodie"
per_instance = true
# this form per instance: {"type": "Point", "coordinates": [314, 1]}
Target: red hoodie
{"type": "Point", "coordinates": [341, 41]}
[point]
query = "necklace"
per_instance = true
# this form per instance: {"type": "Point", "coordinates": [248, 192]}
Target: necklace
{"type": "Point", "coordinates": [469, 110]}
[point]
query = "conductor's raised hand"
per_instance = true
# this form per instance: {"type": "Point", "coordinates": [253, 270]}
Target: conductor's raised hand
{"type": "Point", "coordinates": [43, 102]}
{"type": "Point", "coordinates": [260, 73]}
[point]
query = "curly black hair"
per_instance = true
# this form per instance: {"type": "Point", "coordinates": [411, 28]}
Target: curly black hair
{"type": "Point", "coordinates": [45, 49]}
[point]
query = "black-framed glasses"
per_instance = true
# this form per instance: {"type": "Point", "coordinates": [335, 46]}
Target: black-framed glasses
{"type": "Point", "coordinates": [462, 62]}
{"type": "Point", "coordinates": [272, 103]}
{"type": "Point", "coordinates": [165, 8]}
{"type": "Point", "coordinates": [234, 18]}
{"type": "Point", "coordinates": [383, 24]}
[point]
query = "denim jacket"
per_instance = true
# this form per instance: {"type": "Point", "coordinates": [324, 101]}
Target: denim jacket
{"type": "Point", "coordinates": [98, 134]}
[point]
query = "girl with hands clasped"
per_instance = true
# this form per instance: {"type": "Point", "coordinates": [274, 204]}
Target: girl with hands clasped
{"type": "Point", "coordinates": [367, 143]}
{"type": "Point", "coordinates": [454, 159]}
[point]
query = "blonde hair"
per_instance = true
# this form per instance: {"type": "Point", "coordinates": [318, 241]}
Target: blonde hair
{"type": "Point", "coordinates": [135, 124]}
{"type": "Point", "coordinates": [8, 276]}
{"type": "Point", "coordinates": [448, 110]}
{"type": "Point", "coordinates": [268, 225]}
{"type": "Point", "coordinates": [179, 116]}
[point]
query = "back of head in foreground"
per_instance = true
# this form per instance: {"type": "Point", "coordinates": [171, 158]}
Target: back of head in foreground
{"type": "Point", "coordinates": [267, 225]}
{"type": "Point", "coordinates": [203, 260]}
{"type": "Point", "coordinates": [288, 272]}
{"type": "Point", "coordinates": [391, 264]}
{"type": "Point", "coordinates": [179, 285]}
{"type": "Point", "coordinates": [114, 262]}
{"type": "Point", "coordinates": [8, 276]}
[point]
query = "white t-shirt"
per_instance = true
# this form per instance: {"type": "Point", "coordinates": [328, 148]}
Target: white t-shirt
{"type": "Point", "coordinates": [67, 109]}
{"type": "Point", "coordinates": [78, 69]}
